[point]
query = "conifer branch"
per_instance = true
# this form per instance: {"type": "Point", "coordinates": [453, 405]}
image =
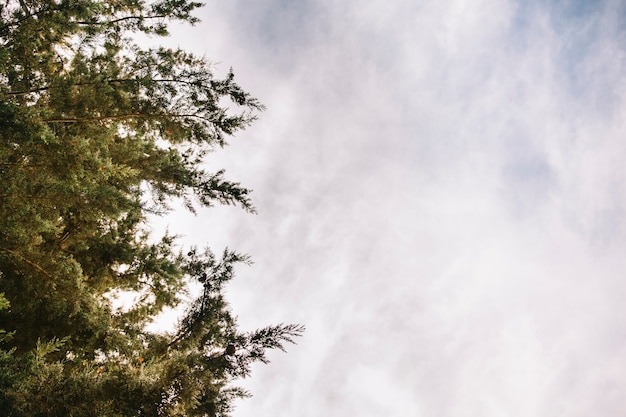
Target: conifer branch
{"type": "Point", "coordinates": [28, 261]}
{"type": "Point", "coordinates": [23, 93]}
{"type": "Point", "coordinates": [121, 19]}
{"type": "Point", "coordinates": [119, 80]}
{"type": "Point", "coordinates": [98, 118]}
{"type": "Point", "coordinates": [29, 15]}
{"type": "Point", "coordinates": [127, 116]}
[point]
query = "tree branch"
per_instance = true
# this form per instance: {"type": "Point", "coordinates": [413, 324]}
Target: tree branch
{"type": "Point", "coordinates": [123, 116]}
{"type": "Point", "coordinates": [97, 118]}
{"type": "Point", "coordinates": [29, 15]}
{"type": "Point", "coordinates": [28, 261]}
{"type": "Point", "coordinates": [21, 93]}
{"type": "Point", "coordinates": [121, 19]}
{"type": "Point", "coordinates": [117, 80]}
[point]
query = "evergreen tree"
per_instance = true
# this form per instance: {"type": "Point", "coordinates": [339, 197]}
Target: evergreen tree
{"type": "Point", "coordinates": [95, 134]}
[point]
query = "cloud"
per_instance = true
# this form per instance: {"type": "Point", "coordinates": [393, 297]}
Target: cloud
{"type": "Point", "coordinates": [441, 201]}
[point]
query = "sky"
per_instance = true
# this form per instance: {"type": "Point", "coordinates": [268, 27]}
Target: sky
{"type": "Point", "coordinates": [441, 200]}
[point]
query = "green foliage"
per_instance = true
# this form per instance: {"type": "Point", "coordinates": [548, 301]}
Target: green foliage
{"type": "Point", "coordinates": [95, 134]}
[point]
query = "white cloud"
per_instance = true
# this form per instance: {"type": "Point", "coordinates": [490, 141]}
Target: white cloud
{"type": "Point", "coordinates": [441, 198]}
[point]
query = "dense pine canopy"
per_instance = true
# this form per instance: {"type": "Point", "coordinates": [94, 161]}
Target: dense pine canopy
{"type": "Point", "coordinates": [96, 134]}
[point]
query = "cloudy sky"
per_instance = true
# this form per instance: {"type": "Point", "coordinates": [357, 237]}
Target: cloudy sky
{"type": "Point", "coordinates": [442, 198]}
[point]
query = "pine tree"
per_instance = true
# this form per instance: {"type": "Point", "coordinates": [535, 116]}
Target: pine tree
{"type": "Point", "coordinates": [96, 134]}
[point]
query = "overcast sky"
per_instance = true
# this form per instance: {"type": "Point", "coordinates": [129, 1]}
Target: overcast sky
{"type": "Point", "coordinates": [441, 195]}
